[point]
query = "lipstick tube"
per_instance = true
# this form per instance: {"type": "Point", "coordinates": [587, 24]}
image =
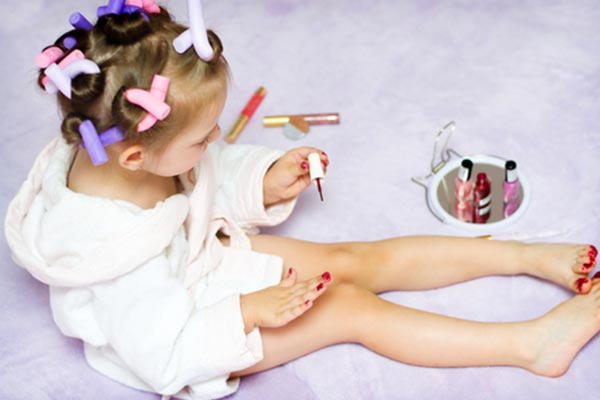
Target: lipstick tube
{"type": "Point", "coordinates": [270, 121]}
{"type": "Point", "coordinates": [246, 114]}
{"type": "Point", "coordinates": [511, 188]}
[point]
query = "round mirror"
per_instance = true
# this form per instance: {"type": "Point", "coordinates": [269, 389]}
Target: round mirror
{"type": "Point", "coordinates": [441, 196]}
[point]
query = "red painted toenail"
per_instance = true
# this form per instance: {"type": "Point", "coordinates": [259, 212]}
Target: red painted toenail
{"type": "Point", "coordinates": [580, 282]}
{"type": "Point", "coordinates": [326, 277]}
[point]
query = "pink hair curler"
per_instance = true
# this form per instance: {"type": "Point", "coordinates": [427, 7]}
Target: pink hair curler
{"type": "Point", "coordinates": [147, 5]}
{"type": "Point", "coordinates": [80, 22]}
{"type": "Point", "coordinates": [60, 78]}
{"type": "Point", "coordinates": [72, 56]}
{"type": "Point", "coordinates": [91, 143]}
{"type": "Point", "coordinates": [48, 56]}
{"type": "Point", "coordinates": [196, 35]}
{"type": "Point", "coordinates": [152, 101]}
{"type": "Point", "coordinates": [159, 87]}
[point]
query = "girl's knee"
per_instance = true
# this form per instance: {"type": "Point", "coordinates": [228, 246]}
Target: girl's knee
{"type": "Point", "coordinates": [351, 308]}
{"type": "Point", "coordinates": [352, 262]}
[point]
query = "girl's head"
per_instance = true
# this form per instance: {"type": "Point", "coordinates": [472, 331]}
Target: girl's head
{"type": "Point", "coordinates": [130, 49]}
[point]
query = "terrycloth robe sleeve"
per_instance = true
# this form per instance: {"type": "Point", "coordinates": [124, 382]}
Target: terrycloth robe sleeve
{"type": "Point", "coordinates": [146, 322]}
{"type": "Point", "coordinates": [240, 171]}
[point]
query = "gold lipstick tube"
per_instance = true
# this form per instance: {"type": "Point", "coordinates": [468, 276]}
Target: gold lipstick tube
{"type": "Point", "coordinates": [312, 119]}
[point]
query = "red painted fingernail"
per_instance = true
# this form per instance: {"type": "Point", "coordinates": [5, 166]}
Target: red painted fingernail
{"type": "Point", "coordinates": [290, 271]}
{"type": "Point", "coordinates": [593, 250]}
{"type": "Point", "coordinates": [596, 275]}
{"type": "Point", "coordinates": [320, 286]}
{"type": "Point", "coordinates": [588, 265]}
{"type": "Point", "coordinates": [326, 277]}
{"type": "Point", "coordinates": [304, 165]}
{"type": "Point", "coordinates": [325, 154]}
{"type": "Point", "coordinates": [307, 302]}
{"type": "Point", "coordinates": [580, 282]}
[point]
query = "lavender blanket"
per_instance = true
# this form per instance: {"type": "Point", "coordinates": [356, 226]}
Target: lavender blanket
{"type": "Point", "coordinates": [521, 80]}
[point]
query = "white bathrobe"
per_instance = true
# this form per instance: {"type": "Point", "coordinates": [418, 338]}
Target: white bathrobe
{"type": "Point", "coordinates": [152, 293]}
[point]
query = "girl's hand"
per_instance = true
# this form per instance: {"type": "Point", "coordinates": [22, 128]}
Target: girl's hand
{"type": "Point", "coordinates": [275, 306]}
{"type": "Point", "coordinates": [289, 175]}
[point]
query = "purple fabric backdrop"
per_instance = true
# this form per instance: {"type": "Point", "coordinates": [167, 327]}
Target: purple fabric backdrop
{"type": "Point", "coordinates": [521, 80]}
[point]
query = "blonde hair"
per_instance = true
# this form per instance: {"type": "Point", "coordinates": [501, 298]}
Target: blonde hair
{"type": "Point", "coordinates": [130, 50]}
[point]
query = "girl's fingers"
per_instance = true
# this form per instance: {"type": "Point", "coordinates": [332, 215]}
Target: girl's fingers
{"type": "Point", "coordinates": [290, 278]}
{"type": "Point", "coordinates": [312, 288]}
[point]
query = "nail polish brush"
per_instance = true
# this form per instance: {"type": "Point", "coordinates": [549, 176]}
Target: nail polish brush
{"type": "Point", "coordinates": [316, 171]}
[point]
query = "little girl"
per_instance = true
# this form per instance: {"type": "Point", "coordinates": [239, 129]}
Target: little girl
{"type": "Point", "coordinates": [146, 233]}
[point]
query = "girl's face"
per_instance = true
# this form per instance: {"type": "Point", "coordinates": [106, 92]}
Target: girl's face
{"type": "Point", "coordinates": [185, 149]}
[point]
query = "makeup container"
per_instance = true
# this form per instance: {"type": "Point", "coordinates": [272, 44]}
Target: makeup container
{"type": "Point", "coordinates": [463, 191]}
{"type": "Point", "coordinates": [511, 188]}
{"type": "Point", "coordinates": [482, 199]}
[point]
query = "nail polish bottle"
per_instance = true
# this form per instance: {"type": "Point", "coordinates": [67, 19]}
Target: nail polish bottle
{"type": "Point", "coordinates": [511, 188]}
{"type": "Point", "coordinates": [482, 199]}
{"type": "Point", "coordinates": [463, 191]}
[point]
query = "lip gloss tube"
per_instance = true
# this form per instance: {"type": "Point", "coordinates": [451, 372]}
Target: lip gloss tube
{"type": "Point", "coordinates": [463, 189]}
{"type": "Point", "coordinates": [246, 114]}
{"type": "Point", "coordinates": [511, 188]}
{"type": "Point", "coordinates": [312, 119]}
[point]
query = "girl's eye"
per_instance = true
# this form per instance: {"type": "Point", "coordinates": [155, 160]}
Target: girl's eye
{"type": "Point", "coordinates": [202, 143]}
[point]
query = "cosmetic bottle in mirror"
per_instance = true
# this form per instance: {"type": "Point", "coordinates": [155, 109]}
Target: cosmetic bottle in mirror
{"type": "Point", "coordinates": [463, 190]}
{"type": "Point", "coordinates": [482, 199]}
{"type": "Point", "coordinates": [511, 188]}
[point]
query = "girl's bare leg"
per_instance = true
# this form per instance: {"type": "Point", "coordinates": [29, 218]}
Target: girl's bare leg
{"type": "Point", "coordinates": [347, 313]}
{"type": "Point", "coordinates": [423, 262]}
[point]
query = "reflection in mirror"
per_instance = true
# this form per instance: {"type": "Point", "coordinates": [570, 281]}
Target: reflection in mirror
{"type": "Point", "coordinates": [441, 195]}
{"type": "Point", "coordinates": [446, 197]}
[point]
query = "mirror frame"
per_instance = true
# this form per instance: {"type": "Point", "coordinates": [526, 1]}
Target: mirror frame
{"type": "Point", "coordinates": [488, 228]}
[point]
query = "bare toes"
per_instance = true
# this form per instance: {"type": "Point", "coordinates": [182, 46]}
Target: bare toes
{"type": "Point", "coordinates": [583, 285]}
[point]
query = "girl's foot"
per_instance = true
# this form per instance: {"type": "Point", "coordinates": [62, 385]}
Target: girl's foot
{"type": "Point", "coordinates": [566, 264]}
{"type": "Point", "coordinates": [558, 336]}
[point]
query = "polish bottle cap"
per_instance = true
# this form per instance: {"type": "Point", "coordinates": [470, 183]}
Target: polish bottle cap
{"type": "Point", "coordinates": [510, 171]}
{"type": "Point", "coordinates": [315, 166]}
{"type": "Point", "coordinates": [464, 172]}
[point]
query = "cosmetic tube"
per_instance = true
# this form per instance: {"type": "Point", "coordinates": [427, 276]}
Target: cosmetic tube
{"type": "Point", "coordinates": [511, 188]}
{"type": "Point", "coordinates": [463, 191]}
{"type": "Point", "coordinates": [482, 199]}
{"type": "Point", "coordinates": [270, 121]}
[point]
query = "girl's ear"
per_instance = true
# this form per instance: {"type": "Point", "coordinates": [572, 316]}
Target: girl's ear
{"type": "Point", "coordinates": [132, 158]}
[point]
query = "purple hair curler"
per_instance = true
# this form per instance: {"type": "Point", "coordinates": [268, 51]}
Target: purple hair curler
{"type": "Point", "coordinates": [111, 135]}
{"type": "Point", "coordinates": [91, 142]}
{"type": "Point", "coordinates": [69, 42]}
{"type": "Point", "coordinates": [80, 22]}
{"type": "Point", "coordinates": [48, 56]}
{"type": "Point", "coordinates": [60, 78]}
{"type": "Point", "coordinates": [69, 58]}
{"type": "Point", "coordinates": [113, 7]}
{"type": "Point", "coordinates": [196, 35]}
